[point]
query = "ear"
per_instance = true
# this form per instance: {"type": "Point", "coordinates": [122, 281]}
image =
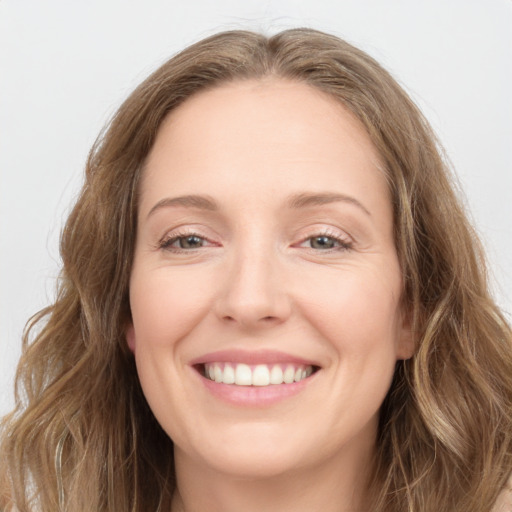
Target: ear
{"type": "Point", "coordinates": [406, 342]}
{"type": "Point", "coordinates": [130, 336]}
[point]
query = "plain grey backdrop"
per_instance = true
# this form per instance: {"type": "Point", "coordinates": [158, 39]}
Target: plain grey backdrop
{"type": "Point", "coordinates": [65, 66]}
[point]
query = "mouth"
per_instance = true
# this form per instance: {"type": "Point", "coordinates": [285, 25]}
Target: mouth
{"type": "Point", "coordinates": [258, 375]}
{"type": "Point", "coordinates": [260, 378]}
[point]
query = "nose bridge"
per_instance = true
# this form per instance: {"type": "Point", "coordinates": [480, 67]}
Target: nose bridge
{"type": "Point", "coordinates": [254, 292]}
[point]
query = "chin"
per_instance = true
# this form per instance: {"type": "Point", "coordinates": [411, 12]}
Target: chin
{"type": "Point", "coordinates": [254, 464]}
{"type": "Point", "coordinates": [257, 450]}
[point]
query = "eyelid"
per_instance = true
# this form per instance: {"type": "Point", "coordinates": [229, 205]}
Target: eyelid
{"type": "Point", "coordinates": [345, 241]}
{"type": "Point", "coordinates": [324, 230]}
{"type": "Point", "coordinates": [164, 243]}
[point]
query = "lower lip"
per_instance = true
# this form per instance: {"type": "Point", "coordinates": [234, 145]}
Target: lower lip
{"type": "Point", "coordinates": [255, 396]}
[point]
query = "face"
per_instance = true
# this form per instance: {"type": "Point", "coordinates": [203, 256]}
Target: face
{"type": "Point", "coordinates": [265, 289]}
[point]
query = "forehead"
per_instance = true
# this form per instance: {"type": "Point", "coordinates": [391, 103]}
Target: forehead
{"type": "Point", "coordinates": [252, 133]}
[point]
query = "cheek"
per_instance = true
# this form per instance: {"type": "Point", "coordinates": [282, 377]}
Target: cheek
{"type": "Point", "coordinates": [166, 305]}
{"type": "Point", "coordinates": [357, 317]}
{"type": "Point", "coordinates": [356, 311]}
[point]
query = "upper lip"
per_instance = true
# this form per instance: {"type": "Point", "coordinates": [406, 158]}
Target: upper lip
{"type": "Point", "coordinates": [251, 357]}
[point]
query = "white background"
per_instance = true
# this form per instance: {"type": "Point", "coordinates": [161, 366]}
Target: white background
{"type": "Point", "coordinates": [66, 65]}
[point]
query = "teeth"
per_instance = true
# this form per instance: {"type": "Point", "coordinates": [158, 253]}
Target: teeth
{"type": "Point", "coordinates": [243, 375]}
{"type": "Point", "coordinates": [289, 375]}
{"type": "Point", "coordinates": [258, 375]}
{"type": "Point", "coordinates": [228, 375]}
{"type": "Point", "coordinates": [261, 375]}
{"type": "Point", "coordinates": [276, 375]}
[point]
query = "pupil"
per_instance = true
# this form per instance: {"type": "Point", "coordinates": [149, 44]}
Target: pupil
{"type": "Point", "coordinates": [190, 242]}
{"type": "Point", "coordinates": [322, 242]}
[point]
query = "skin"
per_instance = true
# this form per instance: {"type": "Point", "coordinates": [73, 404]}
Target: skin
{"type": "Point", "coordinates": [258, 279]}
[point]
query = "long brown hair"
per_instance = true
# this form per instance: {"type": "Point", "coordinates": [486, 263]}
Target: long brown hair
{"type": "Point", "coordinates": [82, 436]}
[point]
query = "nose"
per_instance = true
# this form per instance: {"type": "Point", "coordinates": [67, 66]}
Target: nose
{"type": "Point", "coordinates": [253, 293]}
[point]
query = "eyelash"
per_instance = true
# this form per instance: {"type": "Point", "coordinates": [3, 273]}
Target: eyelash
{"type": "Point", "coordinates": [167, 242]}
{"type": "Point", "coordinates": [342, 243]}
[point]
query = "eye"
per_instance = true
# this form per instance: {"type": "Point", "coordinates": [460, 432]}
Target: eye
{"type": "Point", "coordinates": [185, 242]}
{"type": "Point", "coordinates": [325, 242]}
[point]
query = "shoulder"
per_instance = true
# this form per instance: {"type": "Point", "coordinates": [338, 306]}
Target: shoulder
{"type": "Point", "coordinates": [504, 502]}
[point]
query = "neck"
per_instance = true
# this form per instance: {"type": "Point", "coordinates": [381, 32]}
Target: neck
{"type": "Point", "coordinates": [335, 485]}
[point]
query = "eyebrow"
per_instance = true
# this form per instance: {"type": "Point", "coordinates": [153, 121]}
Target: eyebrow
{"type": "Point", "coordinates": [189, 201]}
{"type": "Point", "coordinates": [306, 200]}
{"type": "Point", "coordinates": [297, 201]}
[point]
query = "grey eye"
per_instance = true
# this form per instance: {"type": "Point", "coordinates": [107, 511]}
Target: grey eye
{"type": "Point", "coordinates": [190, 242]}
{"type": "Point", "coordinates": [323, 242]}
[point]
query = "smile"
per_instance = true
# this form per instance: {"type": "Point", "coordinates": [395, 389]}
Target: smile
{"type": "Point", "coordinates": [259, 379]}
{"type": "Point", "coordinates": [241, 374]}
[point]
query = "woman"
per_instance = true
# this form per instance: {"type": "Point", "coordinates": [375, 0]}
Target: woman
{"type": "Point", "coordinates": [271, 300]}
